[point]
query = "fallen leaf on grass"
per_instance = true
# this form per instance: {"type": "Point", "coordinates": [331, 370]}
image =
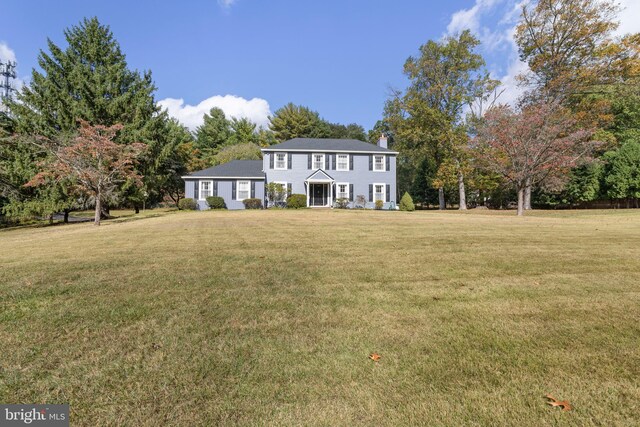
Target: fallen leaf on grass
{"type": "Point", "coordinates": [375, 357]}
{"type": "Point", "coordinates": [566, 406]}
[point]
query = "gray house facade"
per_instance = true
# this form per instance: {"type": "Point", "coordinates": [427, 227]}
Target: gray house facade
{"type": "Point", "coordinates": [234, 181]}
{"type": "Point", "coordinates": [324, 170]}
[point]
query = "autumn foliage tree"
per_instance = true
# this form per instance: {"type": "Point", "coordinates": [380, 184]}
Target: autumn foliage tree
{"type": "Point", "coordinates": [96, 165]}
{"type": "Point", "coordinates": [540, 142]}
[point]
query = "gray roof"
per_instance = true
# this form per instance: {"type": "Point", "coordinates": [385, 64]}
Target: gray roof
{"type": "Point", "coordinates": [327, 144]}
{"type": "Point", "coordinates": [233, 169]}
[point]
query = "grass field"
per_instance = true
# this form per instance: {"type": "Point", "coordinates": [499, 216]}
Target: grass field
{"type": "Point", "coordinates": [268, 317]}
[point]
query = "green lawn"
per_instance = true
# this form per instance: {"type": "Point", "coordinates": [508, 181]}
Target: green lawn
{"type": "Point", "coordinates": [268, 317]}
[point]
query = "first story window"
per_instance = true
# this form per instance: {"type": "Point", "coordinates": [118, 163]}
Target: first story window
{"type": "Point", "coordinates": [205, 189]}
{"type": "Point", "coordinates": [281, 160]}
{"type": "Point", "coordinates": [378, 192]}
{"type": "Point", "coordinates": [244, 190]}
{"type": "Point", "coordinates": [318, 161]}
{"type": "Point", "coordinates": [342, 190]}
{"type": "Point", "coordinates": [342, 161]}
{"type": "Point", "coordinates": [378, 163]}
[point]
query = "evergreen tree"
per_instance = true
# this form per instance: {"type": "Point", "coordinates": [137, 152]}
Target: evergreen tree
{"type": "Point", "coordinates": [293, 121]}
{"type": "Point", "coordinates": [243, 131]}
{"type": "Point", "coordinates": [214, 131]}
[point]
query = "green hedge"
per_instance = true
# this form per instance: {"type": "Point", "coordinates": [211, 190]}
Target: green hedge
{"type": "Point", "coordinates": [297, 201]}
{"type": "Point", "coordinates": [379, 204]}
{"type": "Point", "coordinates": [187, 204]}
{"type": "Point", "coordinates": [252, 203]}
{"type": "Point", "coordinates": [216, 202]}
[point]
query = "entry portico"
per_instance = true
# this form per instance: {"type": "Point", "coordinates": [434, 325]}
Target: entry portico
{"type": "Point", "coordinates": [319, 186]}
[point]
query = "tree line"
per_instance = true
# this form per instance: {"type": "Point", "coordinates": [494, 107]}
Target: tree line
{"type": "Point", "coordinates": [572, 137]}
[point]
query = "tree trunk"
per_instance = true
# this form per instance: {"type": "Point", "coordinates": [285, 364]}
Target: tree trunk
{"type": "Point", "coordinates": [98, 214]}
{"type": "Point", "coordinates": [463, 197]}
{"type": "Point", "coordinates": [442, 206]}
{"type": "Point", "coordinates": [521, 191]}
{"type": "Point", "coordinates": [51, 219]}
{"type": "Point", "coordinates": [66, 216]}
{"type": "Point", "coordinates": [527, 194]}
{"type": "Point", "coordinates": [137, 208]}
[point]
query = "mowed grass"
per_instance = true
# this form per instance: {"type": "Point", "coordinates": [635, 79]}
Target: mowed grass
{"type": "Point", "coordinates": [268, 318]}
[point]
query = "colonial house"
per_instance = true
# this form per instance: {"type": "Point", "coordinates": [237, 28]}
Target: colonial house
{"type": "Point", "coordinates": [322, 169]}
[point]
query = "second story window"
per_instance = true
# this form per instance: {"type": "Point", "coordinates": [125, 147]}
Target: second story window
{"type": "Point", "coordinates": [342, 162]}
{"type": "Point", "coordinates": [318, 161]}
{"type": "Point", "coordinates": [378, 163]}
{"type": "Point", "coordinates": [281, 161]}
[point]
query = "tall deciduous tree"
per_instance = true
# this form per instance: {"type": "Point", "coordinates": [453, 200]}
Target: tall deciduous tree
{"type": "Point", "coordinates": [530, 145]}
{"type": "Point", "coordinates": [294, 121]}
{"type": "Point", "coordinates": [93, 161]}
{"type": "Point", "coordinates": [427, 118]}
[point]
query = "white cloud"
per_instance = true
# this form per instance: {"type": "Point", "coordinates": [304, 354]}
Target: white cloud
{"type": "Point", "coordinates": [470, 18]}
{"type": "Point", "coordinates": [257, 110]}
{"type": "Point", "coordinates": [7, 54]}
{"type": "Point", "coordinates": [226, 3]}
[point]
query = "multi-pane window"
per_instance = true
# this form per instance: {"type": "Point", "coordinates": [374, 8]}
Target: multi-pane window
{"type": "Point", "coordinates": [244, 189]}
{"type": "Point", "coordinates": [342, 190]}
{"type": "Point", "coordinates": [378, 163]}
{"type": "Point", "coordinates": [205, 189]}
{"type": "Point", "coordinates": [342, 161]}
{"type": "Point", "coordinates": [281, 160]}
{"type": "Point", "coordinates": [378, 192]}
{"type": "Point", "coordinates": [318, 161]}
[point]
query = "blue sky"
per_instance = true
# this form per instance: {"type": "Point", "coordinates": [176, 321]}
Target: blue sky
{"type": "Point", "coordinates": [251, 57]}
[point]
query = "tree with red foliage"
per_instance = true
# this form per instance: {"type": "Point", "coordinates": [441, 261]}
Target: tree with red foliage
{"type": "Point", "coordinates": [93, 162]}
{"type": "Point", "coordinates": [537, 143]}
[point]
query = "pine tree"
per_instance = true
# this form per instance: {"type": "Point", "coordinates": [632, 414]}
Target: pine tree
{"type": "Point", "coordinates": [214, 131]}
{"type": "Point", "coordinates": [294, 121]}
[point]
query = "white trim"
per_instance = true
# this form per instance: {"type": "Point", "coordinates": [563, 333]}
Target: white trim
{"type": "Point", "coordinates": [313, 161]}
{"type": "Point", "coordinates": [275, 162]}
{"type": "Point", "coordinates": [337, 162]}
{"type": "Point", "coordinates": [222, 177]}
{"type": "Point", "coordinates": [310, 150]}
{"type": "Point", "coordinates": [238, 190]}
{"type": "Point", "coordinates": [338, 189]}
{"type": "Point", "coordinates": [329, 195]}
{"type": "Point", "coordinates": [384, 163]}
{"type": "Point", "coordinates": [200, 189]}
{"type": "Point", "coordinates": [384, 192]}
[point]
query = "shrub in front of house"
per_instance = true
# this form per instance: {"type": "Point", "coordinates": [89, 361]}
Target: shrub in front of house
{"type": "Point", "coordinates": [187, 204]}
{"type": "Point", "coordinates": [342, 203]}
{"type": "Point", "coordinates": [216, 202]}
{"type": "Point", "coordinates": [252, 203]}
{"type": "Point", "coordinates": [406, 203]}
{"type": "Point", "coordinates": [297, 201]}
{"type": "Point", "coordinates": [379, 204]}
{"type": "Point", "coordinates": [361, 202]}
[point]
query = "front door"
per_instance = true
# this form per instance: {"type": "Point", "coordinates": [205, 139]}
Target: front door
{"type": "Point", "coordinates": [319, 194]}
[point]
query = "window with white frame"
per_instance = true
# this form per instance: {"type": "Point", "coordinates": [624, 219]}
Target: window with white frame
{"type": "Point", "coordinates": [206, 188]}
{"type": "Point", "coordinates": [378, 192]}
{"type": "Point", "coordinates": [281, 161]}
{"type": "Point", "coordinates": [378, 163]}
{"type": "Point", "coordinates": [243, 190]}
{"type": "Point", "coordinates": [342, 162]}
{"type": "Point", "coordinates": [318, 161]}
{"type": "Point", "coordinates": [342, 190]}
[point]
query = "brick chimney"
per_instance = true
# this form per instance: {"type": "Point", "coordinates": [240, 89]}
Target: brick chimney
{"type": "Point", "coordinates": [382, 142]}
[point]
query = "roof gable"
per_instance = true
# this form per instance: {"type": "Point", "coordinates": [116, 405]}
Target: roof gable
{"type": "Point", "coordinates": [319, 175]}
{"type": "Point", "coordinates": [328, 144]}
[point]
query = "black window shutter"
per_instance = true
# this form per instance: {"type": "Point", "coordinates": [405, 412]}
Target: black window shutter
{"type": "Point", "coordinates": [388, 165]}
{"type": "Point", "coordinates": [309, 161]}
{"type": "Point", "coordinates": [370, 162]}
{"type": "Point", "coordinates": [288, 160]}
{"type": "Point", "coordinates": [253, 189]}
{"type": "Point", "coordinates": [195, 190]}
{"type": "Point", "coordinates": [288, 188]}
{"type": "Point", "coordinates": [371, 192]}
{"type": "Point", "coordinates": [388, 193]}
{"type": "Point", "coordinates": [327, 162]}
{"type": "Point", "coordinates": [233, 190]}
{"type": "Point", "coordinates": [271, 158]}
{"type": "Point", "coordinates": [351, 192]}
{"type": "Point", "coordinates": [215, 188]}
{"type": "Point", "coordinates": [351, 162]}
{"type": "Point", "coordinates": [333, 160]}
